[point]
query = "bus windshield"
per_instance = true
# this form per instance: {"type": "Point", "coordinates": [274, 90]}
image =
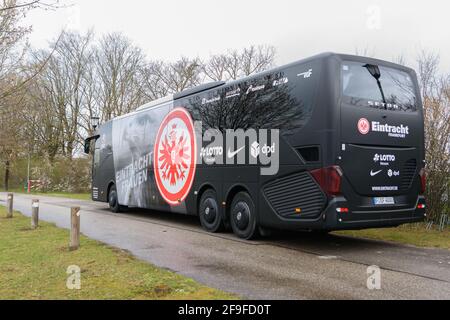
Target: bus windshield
{"type": "Point", "coordinates": [378, 86]}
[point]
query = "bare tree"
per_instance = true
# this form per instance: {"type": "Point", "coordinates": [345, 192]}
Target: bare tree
{"type": "Point", "coordinates": [119, 65]}
{"type": "Point", "coordinates": [13, 50]}
{"type": "Point", "coordinates": [436, 100]}
{"type": "Point", "coordinates": [236, 64]}
{"type": "Point", "coordinates": [400, 59]}
{"type": "Point", "coordinates": [180, 75]}
{"type": "Point", "coordinates": [10, 134]}
{"type": "Point", "coordinates": [365, 52]}
{"type": "Point", "coordinates": [215, 67]}
{"type": "Point", "coordinates": [9, 5]}
{"type": "Point", "coordinates": [59, 93]}
{"type": "Point", "coordinates": [12, 43]}
{"type": "Point", "coordinates": [154, 81]}
{"type": "Point", "coordinates": [42, 126]}
{"type": "Point", "coordinates": [233, 66]}
{"type": "Point", "coordinates": [90, 91]}
{"type": "Point", "coordinates": [257, 58]}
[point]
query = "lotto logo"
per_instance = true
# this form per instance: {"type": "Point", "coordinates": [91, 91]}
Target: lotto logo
{"type": "Point", "coordinates": [384, 158]}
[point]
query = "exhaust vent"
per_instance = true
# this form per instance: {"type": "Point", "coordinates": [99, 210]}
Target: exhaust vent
{"type": "Point", "coordinates": [408, 174]}
{"type": "Point", "coordinates": [296, 196]}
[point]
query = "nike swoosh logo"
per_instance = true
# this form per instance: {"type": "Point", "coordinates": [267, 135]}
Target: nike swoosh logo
{"type": "Point", "coordinates": [233, 154]}
{"type": "Point", "coordinates": [373, 174]}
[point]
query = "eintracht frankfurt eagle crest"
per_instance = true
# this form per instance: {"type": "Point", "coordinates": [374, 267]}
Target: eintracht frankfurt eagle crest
{"type": "Point", "coordinates": [175, 156]}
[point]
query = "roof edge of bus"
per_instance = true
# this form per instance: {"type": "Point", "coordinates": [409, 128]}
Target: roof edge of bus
{"type": "Point", "coordinates": [198, 89]}
{"type": "Point", "coordinates": [345, 56]}
{"type": "Point", "coordinates": [290, 64]}
{"type": "Point", "coordinates": [156, 102]}
{"type": "Point", "coordinates": [149, 105]}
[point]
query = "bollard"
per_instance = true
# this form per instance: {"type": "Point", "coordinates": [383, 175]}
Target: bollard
{"type": "Point", "coordinates": [34, 214]}
{"type": "Point", "coordinates": [74, 228]}
{"type": "Point", "coordinates": [9, 205]}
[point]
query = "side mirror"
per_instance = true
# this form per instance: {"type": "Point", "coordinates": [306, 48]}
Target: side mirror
{"type": "Point", "coordinates": [87, 145]}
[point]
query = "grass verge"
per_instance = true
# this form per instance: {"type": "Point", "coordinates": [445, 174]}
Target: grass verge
{"type": "Point", "coordinates": [416, 235]}
{"type": "Point", "coordinates": [33, 265]}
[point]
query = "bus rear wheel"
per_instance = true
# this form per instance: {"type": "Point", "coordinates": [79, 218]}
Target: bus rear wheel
{"type": "Point", "coordinates": [243, 216]}
{"type": "Point", "coordinates": [209, 212]}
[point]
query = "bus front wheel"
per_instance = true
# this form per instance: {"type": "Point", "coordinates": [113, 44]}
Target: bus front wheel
{"type": "Point", "coordinates": [113, 200]}
{"type": "Point", "coordinates": [209, 212]}
{"type": "Point", "coordinates": [243, 216]}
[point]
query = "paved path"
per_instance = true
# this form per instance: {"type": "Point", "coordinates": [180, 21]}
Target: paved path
{"type": "Point", "coordinates": [285, 266]}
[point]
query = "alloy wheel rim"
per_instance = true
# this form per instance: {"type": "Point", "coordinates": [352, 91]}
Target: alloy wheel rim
{"type": "Point", "coordinates": [242, 215]}
{"type": "Point", "coordinates": [210, 211]}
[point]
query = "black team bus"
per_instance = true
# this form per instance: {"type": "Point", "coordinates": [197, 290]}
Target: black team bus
{"type": "Point", "coordinates": [339, 144]}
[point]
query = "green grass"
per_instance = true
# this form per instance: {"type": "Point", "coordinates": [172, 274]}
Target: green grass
{"type": "Point", "coordinates": [78, 196]}
{"type": "Point", "coordinates": [416, 235]}
{"type": "Point", "coordinates": [33, 265]}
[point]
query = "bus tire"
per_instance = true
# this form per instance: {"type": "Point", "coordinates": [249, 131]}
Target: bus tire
{"type": "Point", "coordinates": [243, 216]}
{"type": "Point", "coordinates": [209, 212]}
{"type": "Point", "coordinates": [113, 200]}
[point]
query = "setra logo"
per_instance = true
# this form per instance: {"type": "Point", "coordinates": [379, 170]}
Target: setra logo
{"type": "Point", "coordinates": [363, 126]}
{"type": "Point", "coordinates": [175, 156]}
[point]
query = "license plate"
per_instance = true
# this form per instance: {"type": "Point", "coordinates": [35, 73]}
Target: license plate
{"type": "Point", "coordinates": [383, 201]}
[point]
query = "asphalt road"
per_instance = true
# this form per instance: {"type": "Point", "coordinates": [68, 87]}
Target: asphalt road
{"type": "Point", "coordinates": [285, 266]}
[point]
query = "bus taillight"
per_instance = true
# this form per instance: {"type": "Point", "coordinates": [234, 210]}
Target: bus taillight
{"type": "Point", "coordinates": [329, 179]}
{"type": "Point", "coordinates": [423, 180]}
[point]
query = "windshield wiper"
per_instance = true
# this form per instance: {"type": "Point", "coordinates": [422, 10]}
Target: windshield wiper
{"type": "Point", "coordinates": [376, 73]}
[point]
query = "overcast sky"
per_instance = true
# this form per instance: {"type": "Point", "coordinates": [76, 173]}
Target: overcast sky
{"type": "Point", "coordinates": [167, 29]}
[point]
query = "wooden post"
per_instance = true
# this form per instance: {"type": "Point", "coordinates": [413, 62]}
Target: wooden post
{"type": "Point", "coordinates": [9, 205]}
{"type": "Point", "coordinates": [74, 228]}
{"type": "Point", "coordinates": [34, 214]}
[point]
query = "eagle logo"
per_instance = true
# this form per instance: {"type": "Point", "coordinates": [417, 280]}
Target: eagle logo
{"type": "Point", "coordinates": [175, 155]}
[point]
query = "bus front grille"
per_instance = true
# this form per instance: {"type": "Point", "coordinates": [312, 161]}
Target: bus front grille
{"type": "Point", "coordinates": [296, 196]}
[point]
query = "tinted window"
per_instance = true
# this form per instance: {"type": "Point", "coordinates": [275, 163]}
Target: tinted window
{"type": "Point", "coordinates": [279, 100]}
{"type": "Point", "coordinates": [395, 90]}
